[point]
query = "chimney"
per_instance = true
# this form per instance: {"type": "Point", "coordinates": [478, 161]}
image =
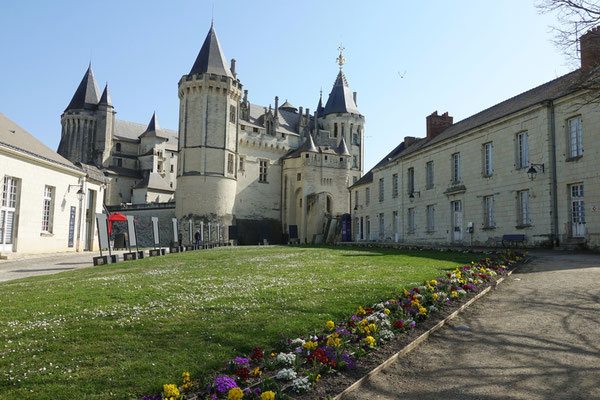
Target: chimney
{"type": "Point", "coordinates": [300, 111]}
{"type": "Point", "coordinates": [590, 49]}
{"type": "Point", "coordinates": [276, 106]}
{"type": "Point", "coordinates": [245, 95]}
{"type": "Point", "coordinates": [409, 140]}
{"type": "Point", "coordinates": [437, 123]}
{"type": "Point", "coordinates": [233, 68]}
{"type": "Point", "coordinates": [354, 97]}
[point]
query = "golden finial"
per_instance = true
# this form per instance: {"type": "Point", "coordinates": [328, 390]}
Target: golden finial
{"type": "Point", "coordinates": [341, 60]}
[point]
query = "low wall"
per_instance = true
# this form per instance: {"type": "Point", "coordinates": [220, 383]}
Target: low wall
{"type": "Point", "coordinates": [144, 216]}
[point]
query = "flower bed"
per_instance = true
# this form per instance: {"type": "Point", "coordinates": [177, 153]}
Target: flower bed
{"type": "Point", "coordinates": [295, 366]}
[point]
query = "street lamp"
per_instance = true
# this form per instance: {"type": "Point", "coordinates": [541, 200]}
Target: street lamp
{"type": "Point", "coordinates": [532, 172]}
{"type": "Point", "coordinates": [411, 196]}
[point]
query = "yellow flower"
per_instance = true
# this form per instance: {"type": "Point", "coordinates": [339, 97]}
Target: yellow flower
{"type": "Point", "coordinates": [170, 391]}
{"type": "Point", "coordinates": [256, 372]}
{"type": "Point", "coordinates": [434, 282]}
{"type": "Point", "coordinates": [235, 394]}
{"type": "Point", "coordinates": [454, 293]}
{"type": "Point", "coordinates": [317, 378]}
{"type": "Point", "coordinates": [372, 327]}
{"type": "Point", "coordinates": [475, 282]}
{"type": "Point", "coordinates": [386, 311]}
{"type": "Point", "coordinates": [360, 311]}
{"type": "Point", "coordinates": [330, 325]}
{"type": "Point", "coordinates": [273, 354]}
{"type": "Point", "coordinates": [310, 345]}
{"type": "Point", "coordinates": [267, 395]}
{"type": "Point", "coordinates": [435, 297]}
{"type": "Point", "coordinates": [422, 310]}
{"type": "Point", "coordinates": [363, 322]}
{"type": "Point", "coordinates": [370, 341]}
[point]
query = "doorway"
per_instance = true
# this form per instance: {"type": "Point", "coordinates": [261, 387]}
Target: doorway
{"type": "Point", "coordinates": [577, 211]}
{"type": "Point", "coordinates": [8, 213]}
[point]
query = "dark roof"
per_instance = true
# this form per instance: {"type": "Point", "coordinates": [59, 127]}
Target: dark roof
{"type": "Point", "coordinates": [105, 98]}
{"type": "Point", "coordinates": [308, 145]}
{"type": "Point", "coordinates": [342, 149]}
{"type": "Point", "coordinates": [287, 106]}
{"type": "Point", "coordinates": [87, 94]}
{"type": "Point", "coordinates": [131, 131]}
{"type": "Point", "coordinates": [92, 172]}
{"type": "Point", "coordinates": [153, 180]}
{"type": "Point", "coordinates": [320, 109]}
{"type": "Point", "coordinates": [554, 89]}
{"type": "Point", "coordinates": [340, 99]}
{"type": "Point", "coordinates": [132, 173]}
{"type": "Point", "coordinates": [17, 138]}
{"type": "Point", "coordinates": [211, 59]}
{"type": "Point", "coordinates": [153, 129]}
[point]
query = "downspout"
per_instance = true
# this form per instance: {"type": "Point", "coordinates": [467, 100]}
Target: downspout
{"type": "Point", "coordinates": [554, 179]}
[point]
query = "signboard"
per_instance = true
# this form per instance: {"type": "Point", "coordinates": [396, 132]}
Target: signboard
{"type": "Point", "coordinates": [155, 231]}
{"type": "Point", "coordinates": [102, 223]}
{"type": "Point", "coordinates": [72, 226]}
{"type": "Point", "coordinates": [131, 231]}
{"type": "Point", "coordinates": [175, 231]}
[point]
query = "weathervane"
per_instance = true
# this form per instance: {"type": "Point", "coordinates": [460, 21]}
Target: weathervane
{"type": "Point", "coordinates": [341, 60]}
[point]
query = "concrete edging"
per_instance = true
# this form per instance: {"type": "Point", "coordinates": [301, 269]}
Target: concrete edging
{"type": "Point", "coordinates": [418, 340]}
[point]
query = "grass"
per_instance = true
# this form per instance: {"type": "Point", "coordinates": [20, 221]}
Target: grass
{"type": "Point", "coordinates": [121, 331]}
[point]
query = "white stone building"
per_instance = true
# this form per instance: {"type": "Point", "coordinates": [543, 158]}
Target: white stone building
{"type": "Point", "coordinates": [47, 203]}
{"type": "Point", "coordinates": [473, 182]}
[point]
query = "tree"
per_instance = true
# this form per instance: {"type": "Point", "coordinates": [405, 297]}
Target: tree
{"type": "Point", "coordinates": [574, 18]}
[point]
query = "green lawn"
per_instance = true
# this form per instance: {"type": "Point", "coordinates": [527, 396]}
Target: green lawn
{"type": "Point", "coordinates": [121, 331]}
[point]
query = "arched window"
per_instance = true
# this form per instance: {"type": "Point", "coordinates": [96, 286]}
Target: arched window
{"type": "Point", "coordinates": [329, 204]}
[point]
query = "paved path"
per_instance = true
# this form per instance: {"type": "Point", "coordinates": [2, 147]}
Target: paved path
{"type": "Point", "coordinates": [536, 337]}
{"type": "Point", "coordinates": [44, 264]}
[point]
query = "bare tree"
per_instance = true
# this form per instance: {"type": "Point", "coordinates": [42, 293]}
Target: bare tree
{"type": "Point", "coordinates": [574, 18]}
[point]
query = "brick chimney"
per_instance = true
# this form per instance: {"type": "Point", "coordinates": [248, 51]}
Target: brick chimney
{"type": "Point", "coordinates": [590, 49]}
{"type": "Point", "coordinates": [437, 123]}
{"type": "Point", "coordinates": [409, 140]}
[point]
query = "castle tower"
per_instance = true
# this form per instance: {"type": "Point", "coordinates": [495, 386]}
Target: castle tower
{"type": "Point", "coordinates": [208, 131]}
{"type": "Point", "coordinates": [341, 117]}
{"type": "Point", "coordinates": [87, 123]}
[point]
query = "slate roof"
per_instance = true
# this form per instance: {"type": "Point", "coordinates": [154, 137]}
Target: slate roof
{"type": "Point", "coordinates": [87, 94]}
{"type": "Point", "coordinates": [340, 99]}
{"type": "Point", "coordinates": [154, 130]}
{"type": "Point", "coordinates": [92, 171]}
{"type": "Point", "coordinates": [153, 180]}
{"type": "Point", "coordinates": [105, 98]}
{"type": "Point", "coordinates": [288, 120]}
{"type": "Point", "coordinates": [131, 131]}
{"type": "Point", "coordinates": [211, 59]}
{"type": "Point", "coordinates": [342, 148]}
{"type": "Point", "coordinates": [288, 107]}
{"type": "Point", "coordinates": [17, 138]}
{"type": "Point", "coordinates": [551, 90]}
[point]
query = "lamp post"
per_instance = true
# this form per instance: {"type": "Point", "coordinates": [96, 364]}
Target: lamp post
{"type": "Point", "coordinates": [80, 195]}
{"type": "Point", "coordinates": [411, 196]}
{"type": "Point", "coordinates": [532, 172]}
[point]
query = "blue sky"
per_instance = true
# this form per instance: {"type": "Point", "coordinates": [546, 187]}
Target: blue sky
{"type": "Point", "coordinates": [461, 56]}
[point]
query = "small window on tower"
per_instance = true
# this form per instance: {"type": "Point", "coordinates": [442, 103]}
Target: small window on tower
{"type": "Point", "coordinates": [335, 131]}
{"type": "Point", "coordinates": [232, 114]}
{"type": "Point", "coordinates": [119, 162]}
{"type": "Point", "coordinates": [298, 176]}
{"type": "Point", "coordinates": [230, 163]}
{"type": "Point", "coordinates": [118, 147]}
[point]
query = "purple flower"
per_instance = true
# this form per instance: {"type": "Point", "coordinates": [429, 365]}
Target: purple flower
{"type": "Point", "coordinates": [257, 391]}
{"type": "Point", "coordinates": [412, 324]}
{"type": "Point", "coordinates": [241, 362]}
{"type": "Point", "coordinates": [299, 349]}
{"type": "Point", "coordinates": [224, 384]}
{"type": "Point", "coordinates": [157, 397]}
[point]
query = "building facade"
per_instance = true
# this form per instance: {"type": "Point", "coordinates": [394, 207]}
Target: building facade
{"type": "Point", "coordinates": [47, 203]}
{"type": "Point", "coordinates": [528, 165]}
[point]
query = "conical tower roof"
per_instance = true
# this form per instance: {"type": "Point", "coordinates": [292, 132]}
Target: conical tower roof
{"type": "Point", "coordinates": [211, 59]}
{"type": "Point", "coordinates": [153, 129]}
{"type": "Point", "coordinates": [309, 145]}
{"type": "Point", "coordinates": [87, 94]}
{"type": "Point", "coordinates": [105, 98]}
{"type": "Point", "coordinates": [320, 109]}
{"type": "Point", "coordinates": [340, 99]}
{"type": "Point", "coordinates": [342, 148]}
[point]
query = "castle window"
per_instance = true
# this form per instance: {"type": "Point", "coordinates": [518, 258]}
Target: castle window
{"type": "Point", "coordinates": [381, 190]}
{"type": "Point", "coordinates": [48, 209]}
{"type": "Point", "coordinates": [119, 162]}
{"type": "Point", "coordinates": [119, 147]}
{"type": "Point", "coordinates": [411, 180]}
{"type": "Point", "coordinates": [307, 156]}
{"type": "Point", "coordinates": [232, 114]}
{"type": "Point", "coordinates": [298, 176]}
{"type": "Point", "coordinates": [395, 185]}
{"type": "Point", "coordinates": [172, 168]}
{"type": "Point", "coordinates": [367, 196]}
{"type": "Point", "coordinates": [430, 218]}
{"type": "Point", "coordinates": [243, 127]}
{"type": "Point", "coordinates": [335, 129]}
{"type": "Point", "coordinates": [262, 172]}
{"type": "Point", "coordinates": [230, 163]}
{"type": "Point", "coordinates": [341, 159]}
{"type": "Point", "coordinates": [342, 129]}
{"type": "Point", "coordinates": [242, 163]}
{"type": "Point", "coordinates": [429, 175]}
{"type": "Point", "coordinates": [488, 159]}
{"type": "Point", "coordinates": [523, 207]}
{"type": "Point", "coordinates": [411, 220]}
{"type": "Point", "coordinates": [355, 138]}
{"type": "Point", "coordinates": [456, 168]}
{"type": "Point", "coordinates": [489, 220]}
{"type": "Point", "coordinates": [255, 130]}
{"type": "Point", "coordinates": [354, 162]}
{"type": "Point", "coordinates": [575, 144]}
{"type": "Point", "coordinates": [354, 179]}
{"type": "Point", "coordinates": [523, 150]}
{"type": "Point", "coordinates": [325, 158]}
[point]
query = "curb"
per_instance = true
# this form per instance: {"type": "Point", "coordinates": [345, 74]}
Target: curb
{"type": "Point", "coordinates": [420, 339]}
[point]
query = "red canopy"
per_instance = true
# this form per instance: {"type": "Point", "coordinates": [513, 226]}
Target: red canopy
{"type": "Point", "coordinates": [115, 217]}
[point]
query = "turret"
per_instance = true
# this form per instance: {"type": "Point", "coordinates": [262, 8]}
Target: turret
{"type": "Point", "coordinates": [105, 125]}
{"type": "Point", "coordinates": [208, 119]}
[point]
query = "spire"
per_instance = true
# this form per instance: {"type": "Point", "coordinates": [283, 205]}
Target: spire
{"type": "Point", "coordinates": [342, 148]}
{"type": "Point", "coordinates": [340, 99]}
{"type": "Point", "coordinates": [211, 59]}
{"type": "Point", "coordinates": [153, 128]}
{"type": "Point", "coordinates": [309, 144]}
{"type": "Point", "coordinates": [87, 94]}
{"type": "Point", "coordinates": [105, 98]}
{"type": "Point", "coordinates": [320, 109]}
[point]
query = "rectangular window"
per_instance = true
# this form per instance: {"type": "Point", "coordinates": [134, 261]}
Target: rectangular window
{"type": "Point", "coordinates": [411, 180]}
{"type": "Point", "coordinates": [356, 198]}
{"type": "Point", "coordinates": [489, 220]}
{"type": "Point", "coordinates": [456, 168]}
{"type": "Point", "coordinates": [262, 172]}
{"type": "Point", "coordinates": [524, 215]}
{"type": "Point", "coordinates": [381, 190]}
{"type": "Point", "coordinates": [368, 226]}
{"type": "Point", "coordinates": [119, 162]}
{"type": "Point", "coordinates": [429, 176]}
{"type": "Point", "coordinates": [430, 218]}
{"type": "Point", "coordinates": [395, 185]}
{"type": "Point", "coordinates": [242, 163]}
{"type": "Point", "coordinates": [523, 150]}
{"type": "Point", "coordinates": [381, 226]}
{"type": "Point", "coordinates": [354, 162]}
{"type": "Point", "coordinates": [488, 159]}
{"type": "Point", "coordinates": [48, 209]}
{"type": "Point", "coordinates": [575, 144]}
{"type": "Point", "coordinates": [230, 163]}
{"type": "Point", "coordinates": [355, 138]}
{"type": "Point", "coordinates": [232, 114]}
{"type": "Point", "coordinates": [367, 196]}
{"type": "Point", "coordinates": [411, 220]}
{"type": "Point", "coordinates": [354, 179]}
{"type": "Point", "coordinates": [298, 176]}
{"type": "Point", "coordinates": [172, 168]}
{"type": "Point", "coordinates": [335, 129]}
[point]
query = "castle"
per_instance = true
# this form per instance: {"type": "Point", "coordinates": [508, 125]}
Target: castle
{"type": "Point", "coordinates": [270, 172]}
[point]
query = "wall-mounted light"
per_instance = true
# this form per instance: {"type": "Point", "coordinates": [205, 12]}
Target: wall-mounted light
{"type": "Point", "coordinates": [411, 196]}
{"type": "Point", "coordinates": [532, 172]}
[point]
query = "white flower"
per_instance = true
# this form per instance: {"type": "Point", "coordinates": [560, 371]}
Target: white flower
{"type": "Point", "coordinates": [461, 291]}
{"type": "Point", "coordinates": [286, 359]}
{"type": "Point", "coordinates": [385, 323]}
{"type": "Point", "coordinates": [386, 334]}
{"type": "Point", "coordinates": [298, 342]}
{"type": "Point", "coordinates": [301, 385]}
{"type": "Point", "coordinates": [286, 374]}
{"type": "Point", "coordinates": [379, 307]}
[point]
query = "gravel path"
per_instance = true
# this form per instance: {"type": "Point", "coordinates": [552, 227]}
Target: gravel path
{"type": "Point", "coordinates": [536, 337]}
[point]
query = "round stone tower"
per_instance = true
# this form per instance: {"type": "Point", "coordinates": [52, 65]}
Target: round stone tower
{"type": "Point", "coordinates": [207, 175]}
